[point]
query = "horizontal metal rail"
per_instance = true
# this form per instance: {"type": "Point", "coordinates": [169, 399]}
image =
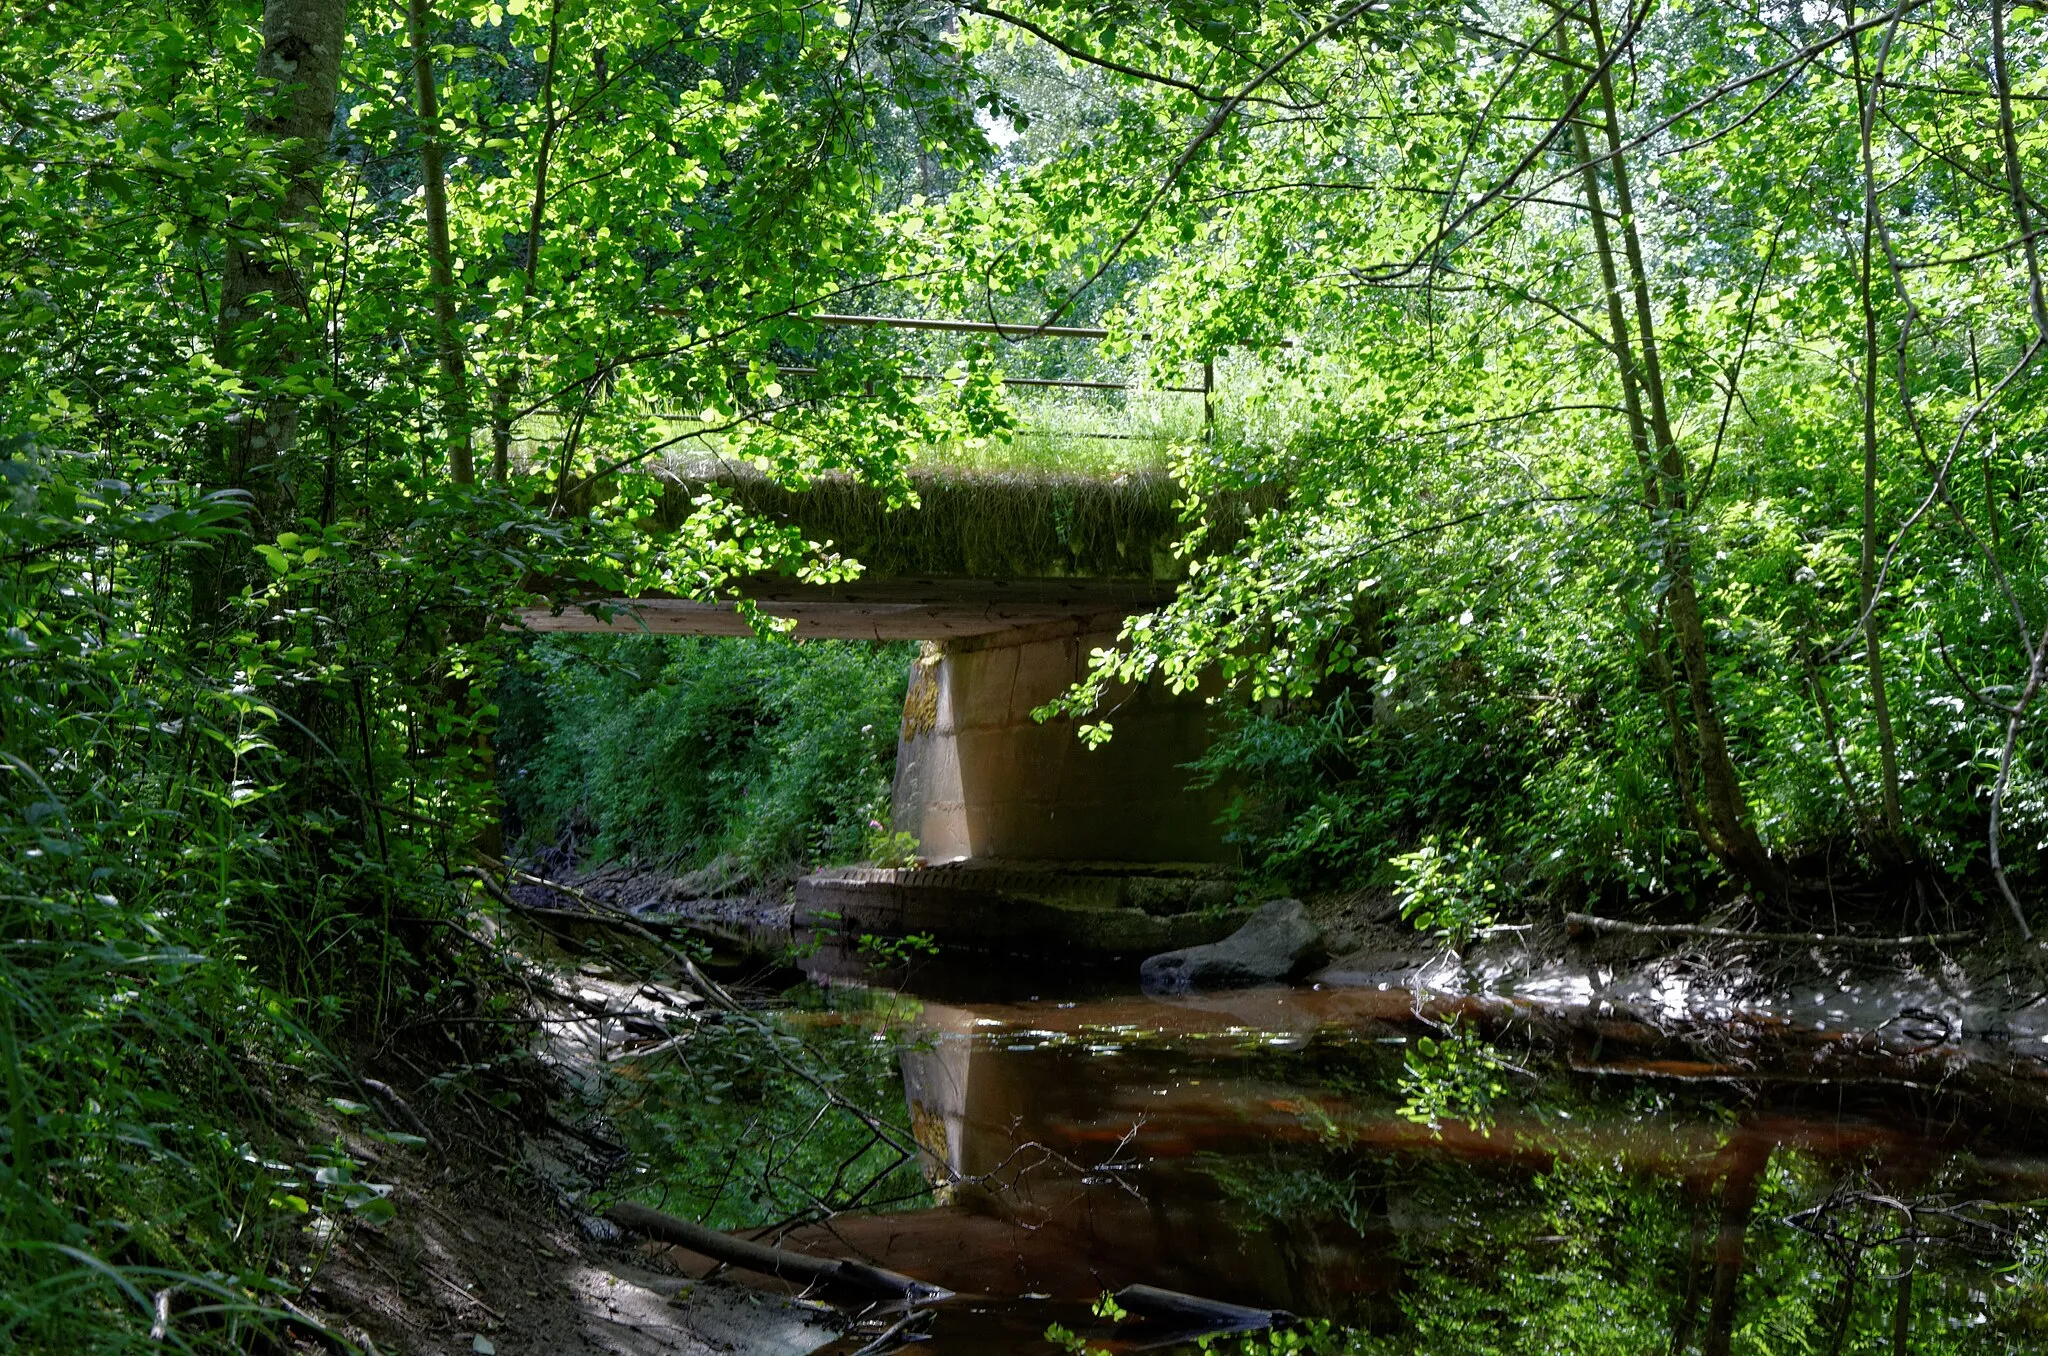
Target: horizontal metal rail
{"type": "Point", "coordinates": [1023, 381]}
{"type": "Point", "coordinates": [904, 322]}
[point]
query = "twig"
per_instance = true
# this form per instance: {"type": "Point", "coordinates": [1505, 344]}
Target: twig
{"type": "Point", "coordinates": [1586, 922]}
{"type": "Point", "coordinates": [888, 1337]}
{"type": "Point", "coordinates": [399, 1107]}
{"type": "Point", "coordinates": [461, 1291]}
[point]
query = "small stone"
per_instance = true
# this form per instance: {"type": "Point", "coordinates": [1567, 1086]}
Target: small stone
{"type": "Point", "coordinates": [481, 1345]}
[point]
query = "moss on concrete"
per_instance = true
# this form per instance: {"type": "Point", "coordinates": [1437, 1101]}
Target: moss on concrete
{"type": "Point", "coordinates": [968, 524]}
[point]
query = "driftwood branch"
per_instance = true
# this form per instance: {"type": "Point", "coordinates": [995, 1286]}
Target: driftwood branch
{"type": "Point", "coordinates": [897, 1334]}
{"type": "Point", "coordinates": [1149, 1301]}
{"type": "Point", "coordinates": [1586, 922]}
{"type": "Point", "coordinates": [853, 1278]}
{"type": "Point", "coordinates": [606, 915]}
{"type": "Point", "coordinates": [398, 1107]}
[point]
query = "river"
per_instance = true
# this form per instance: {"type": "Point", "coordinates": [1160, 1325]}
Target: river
{"type": "Point", "coordinates": [1443, 1178]}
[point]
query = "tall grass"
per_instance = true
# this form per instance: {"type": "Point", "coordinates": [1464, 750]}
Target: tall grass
{"type": "Point", "coordinates": [137, 1051]}
{"type": "Point", "coordinates": [205, 885]}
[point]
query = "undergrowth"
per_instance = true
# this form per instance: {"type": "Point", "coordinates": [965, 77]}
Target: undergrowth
{"type": "Point", "coordinates": [221, 876]}
{"type": "Point", "coordinates": [749, 756]}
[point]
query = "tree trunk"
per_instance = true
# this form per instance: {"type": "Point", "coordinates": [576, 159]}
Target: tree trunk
{"type": "Point", "coordinates": [1845, 1300]}
{"type": "Point", "coordinates": [440, 258]}
{"type": "Point", "coordinates": [1732, 838]}
{"type": "Point", "coordinates": [501, 426]}
{"type": "Point", "coordinates": [1873, 649]}
{"type": "Point", "coordinates": [1738, 1198]}
{"type": "Point", "coordinates": [1623, 350]}
{"type": "Point", "coordinates": [263, 318]}
{"type": "Point", "coordinates": [505, 386]}
{"type": "Point", "coordinates": [1689, 1300]}
{"type": "Point", "coordinates": [1902, 1304]}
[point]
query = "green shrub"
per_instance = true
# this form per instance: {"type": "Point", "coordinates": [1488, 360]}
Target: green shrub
{"type": "Point", "coordinates": [183, 930]}
{"type": "Point", "coordinates": [744, 755]}
{"type": "Point", "coordinates": [1451, 890]}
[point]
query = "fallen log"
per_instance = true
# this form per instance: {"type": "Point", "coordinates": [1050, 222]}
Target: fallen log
{"type": "Point", "coordinates": [604, 915]}
{"type": "Point", "coordinates": [856, 1278]}
{"type": "Point", "coordinates": [1150, 1301]}
{"type": "Point", "coordinates": [1586, 922]}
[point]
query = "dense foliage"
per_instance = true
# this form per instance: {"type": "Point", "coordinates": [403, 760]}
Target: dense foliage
{"type": "Point", "coordinates": [740, 759]}
{"type": "Point", "coordinates": [258, 537]}
{"type": "Point", "coordinates": [1654, 395]}
{"type": "Point", "coordinates": [1642, 410]}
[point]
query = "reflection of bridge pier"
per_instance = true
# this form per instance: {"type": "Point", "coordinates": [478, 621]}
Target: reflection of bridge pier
{"type": "Point", "coordinates": [1082, 1174]}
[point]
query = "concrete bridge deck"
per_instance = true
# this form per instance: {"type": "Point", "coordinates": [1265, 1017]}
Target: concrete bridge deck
{"type": "Point", "coordinates": [979, 781]}
{"type": "Point", "coordinates": [883, 609]}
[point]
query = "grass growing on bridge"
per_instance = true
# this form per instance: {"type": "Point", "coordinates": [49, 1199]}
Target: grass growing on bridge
{"type": "Point", "coordinates": [971, 524]}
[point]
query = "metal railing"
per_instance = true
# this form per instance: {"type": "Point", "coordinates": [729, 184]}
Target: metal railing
{"type": "Point", "coordinates": [1206, 390]}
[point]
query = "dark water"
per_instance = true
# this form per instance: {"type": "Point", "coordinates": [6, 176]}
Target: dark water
{"type": "Point", "coordinates": [1455, 1185]}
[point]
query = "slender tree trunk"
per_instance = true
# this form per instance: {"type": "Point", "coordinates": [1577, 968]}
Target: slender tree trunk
{"type": "Point", "coordinates": [1830, 728]}
{"type": "Point", "coordinates": [2023, 219]}
{"type": "Point", "coordinates": [1873, 648]}
{"type": "Point", "coordinates": [505, 388]}
{"type": "Point", "coordinates": [1689, 1302]}
{"type": "Point", "coordinates": [261, 329]}
{"type": "Point", "coordinates": [440, 258]}
{"type": "Point", "coordinates": [1845, 1301]}
{"type": "Point", "coordinates": [1733, 839]}
{"type": "Point", "coordinates": [501, 426]}
{"type": "Point", "coordinates": [1623, 350]}
{"type": "Point", "coordinates": [1902, 1305]}
{"type": "Point", "coordinates": [2016, 188]}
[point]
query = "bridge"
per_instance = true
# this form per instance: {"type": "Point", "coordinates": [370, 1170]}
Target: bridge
{"type": "Point", "coordinates": [1028, 839]}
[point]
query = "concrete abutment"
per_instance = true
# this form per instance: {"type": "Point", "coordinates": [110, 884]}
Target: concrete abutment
{"type": "Point", "coordinates": [977, 776]}
{"type": "Point", "coordinates": [1029, 841]}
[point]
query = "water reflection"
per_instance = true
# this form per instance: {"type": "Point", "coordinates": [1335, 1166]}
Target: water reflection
{"type": "Point", "coordinates": [1266, 1148]}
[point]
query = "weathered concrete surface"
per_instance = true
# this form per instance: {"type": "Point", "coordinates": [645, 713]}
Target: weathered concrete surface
{"type": "Point", "coordinates": [1039, 844]}
{"type": "Point", "coordinates": [1035, 908]}
{"type": "Point", "coordinates": [978, 777]}
{"type": "Point", "coordinates": [982, 552]}
{"type": "Point", "coordinates": [882, 609]}
{"type": "Point", "coordinates": [1270, 947]}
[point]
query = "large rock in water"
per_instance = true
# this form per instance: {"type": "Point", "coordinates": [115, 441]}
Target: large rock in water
{"type": "Point", "coordinates": [1271, 946]}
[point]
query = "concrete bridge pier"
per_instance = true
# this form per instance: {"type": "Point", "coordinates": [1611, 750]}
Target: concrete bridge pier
{"type": "Point", "coordinates": [1030, 841]}
{"type": "Point", "coordinates": [977, 777]}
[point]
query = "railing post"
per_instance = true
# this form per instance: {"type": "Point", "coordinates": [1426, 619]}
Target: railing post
{"type": "Point", "coordinates": [1208, 408]}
